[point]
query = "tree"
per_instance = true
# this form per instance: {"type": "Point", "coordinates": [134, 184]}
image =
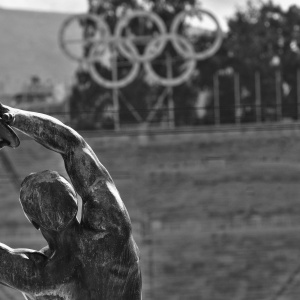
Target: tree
{"type": "Point", "coordinates": [264, 38]}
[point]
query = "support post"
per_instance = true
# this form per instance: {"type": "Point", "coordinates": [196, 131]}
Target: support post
{"type": "Point", "coordinates": [298, 94]}
{"type": "Point", "coordinates": [216, 99]}
{"type": "Point", "coordinates": [171, 111]}
{"type": "Point", "coordinates": [278, 95]}
{"type": "Point", "coordinates": [115, 92]}
{"type": "Point", "coordinates": [237, 99]}
{"type": "Point", "coordinates": [258, 106]}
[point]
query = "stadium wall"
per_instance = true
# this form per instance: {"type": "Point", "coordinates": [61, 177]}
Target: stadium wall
{"type": "Point", "coordinates": [215, 212]}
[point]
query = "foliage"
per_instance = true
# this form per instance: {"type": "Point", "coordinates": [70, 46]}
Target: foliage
{"type": "Point", "coordinates": [264, 38]}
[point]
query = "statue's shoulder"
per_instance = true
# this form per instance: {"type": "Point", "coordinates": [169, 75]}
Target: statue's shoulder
{"type": "Point", "coordinates": [46, 251]}
{"type": "Point", "coordinates": [36, 256]}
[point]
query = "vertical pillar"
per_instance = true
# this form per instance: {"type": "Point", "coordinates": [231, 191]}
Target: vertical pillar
{"type": "Point", "coordinates": [171, 107]}
{"type": "Point", "coordinates": [237, 99]}
{"type": "Point", "coordinates": [298, 94]}
{"type": "Point", "coordinates": [278, 95]}
{"type": "Point", "coordinates": [216, 99]}
{"type": "Point", "coordinates": [258, 106]}
{"type": "Point", "coordinates": [115, 92]}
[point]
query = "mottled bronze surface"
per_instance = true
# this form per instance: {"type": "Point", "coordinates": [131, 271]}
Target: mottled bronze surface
{"type": "Point", "coordinates": [7, 136]}
{"type": "Point", "coordinates": [94, 259]}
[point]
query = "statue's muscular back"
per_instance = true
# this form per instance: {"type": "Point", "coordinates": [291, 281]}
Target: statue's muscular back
{"type": "Point", "coordinates": [92, 267]}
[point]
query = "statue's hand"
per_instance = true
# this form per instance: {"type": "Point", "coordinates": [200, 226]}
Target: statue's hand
{"type": "Point", "coordinates": [7, 135]}
{"type": "Point", "coordinates": [6, 114]}
{"type": "Point", "coordinates": [3, 143]}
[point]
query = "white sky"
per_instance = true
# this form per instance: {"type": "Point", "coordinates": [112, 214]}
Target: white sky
{"type": "Point", "coordinates": [222, 8]}
{"type": "Point", "coordinates": [69, 6]}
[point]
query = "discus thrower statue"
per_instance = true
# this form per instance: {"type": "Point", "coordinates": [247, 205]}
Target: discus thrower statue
{"type": "Point", "coordinates": [94, 259]}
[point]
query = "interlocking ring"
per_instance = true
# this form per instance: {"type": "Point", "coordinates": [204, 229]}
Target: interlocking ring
{"type": "Point", "coordinates": [190, 63]}
{"type": "Point", "coordinates": [100, 27]}
{"type": "Point", "coordinates": [198, 55]}
{"type": "Point", "coordinates": [126, 45]}
{"type": "Point", "coordinates": [123, 43]}
{"type": "Point", "coordinates": [118, 83]}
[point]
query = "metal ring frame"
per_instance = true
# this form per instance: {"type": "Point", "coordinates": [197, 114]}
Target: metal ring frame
{"type": "Point", "coordinates": [126, 46]}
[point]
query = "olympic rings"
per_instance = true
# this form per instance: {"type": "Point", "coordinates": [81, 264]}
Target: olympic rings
{"type": "Point", "coordinates": [126, 45]}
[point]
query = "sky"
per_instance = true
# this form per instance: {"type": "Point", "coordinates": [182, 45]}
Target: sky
{"type": "Point", "coordinates": [221, 8]}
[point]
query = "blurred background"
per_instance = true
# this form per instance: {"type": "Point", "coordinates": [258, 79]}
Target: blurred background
{"type": "Point", "coordinates": [204, 149]}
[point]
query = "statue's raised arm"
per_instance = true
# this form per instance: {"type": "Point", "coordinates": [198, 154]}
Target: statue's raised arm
{"type": "Point", "coordinates": [89, 177]}
{"type": "Point", "coordinates": [96, 258]}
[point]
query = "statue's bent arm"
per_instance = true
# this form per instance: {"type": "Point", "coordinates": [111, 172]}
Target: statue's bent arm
{"type": "Point", "coordinates": [103, 208]}
{"type": "Point", "coordinates": [22, 270]}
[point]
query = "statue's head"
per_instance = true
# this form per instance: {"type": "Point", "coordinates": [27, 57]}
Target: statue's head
{"type": "Point", "coordinates": [48, 200]}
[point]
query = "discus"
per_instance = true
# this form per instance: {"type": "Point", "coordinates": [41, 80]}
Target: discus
{"type": "Point", "coordinates": [8, 135]}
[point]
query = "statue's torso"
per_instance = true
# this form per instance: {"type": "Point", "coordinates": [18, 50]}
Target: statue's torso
{"type": "Point", "coordinates": [102, 267]}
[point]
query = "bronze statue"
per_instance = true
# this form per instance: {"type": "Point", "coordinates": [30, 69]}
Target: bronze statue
{"type": "Point", "coordinates": [96, 259]}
